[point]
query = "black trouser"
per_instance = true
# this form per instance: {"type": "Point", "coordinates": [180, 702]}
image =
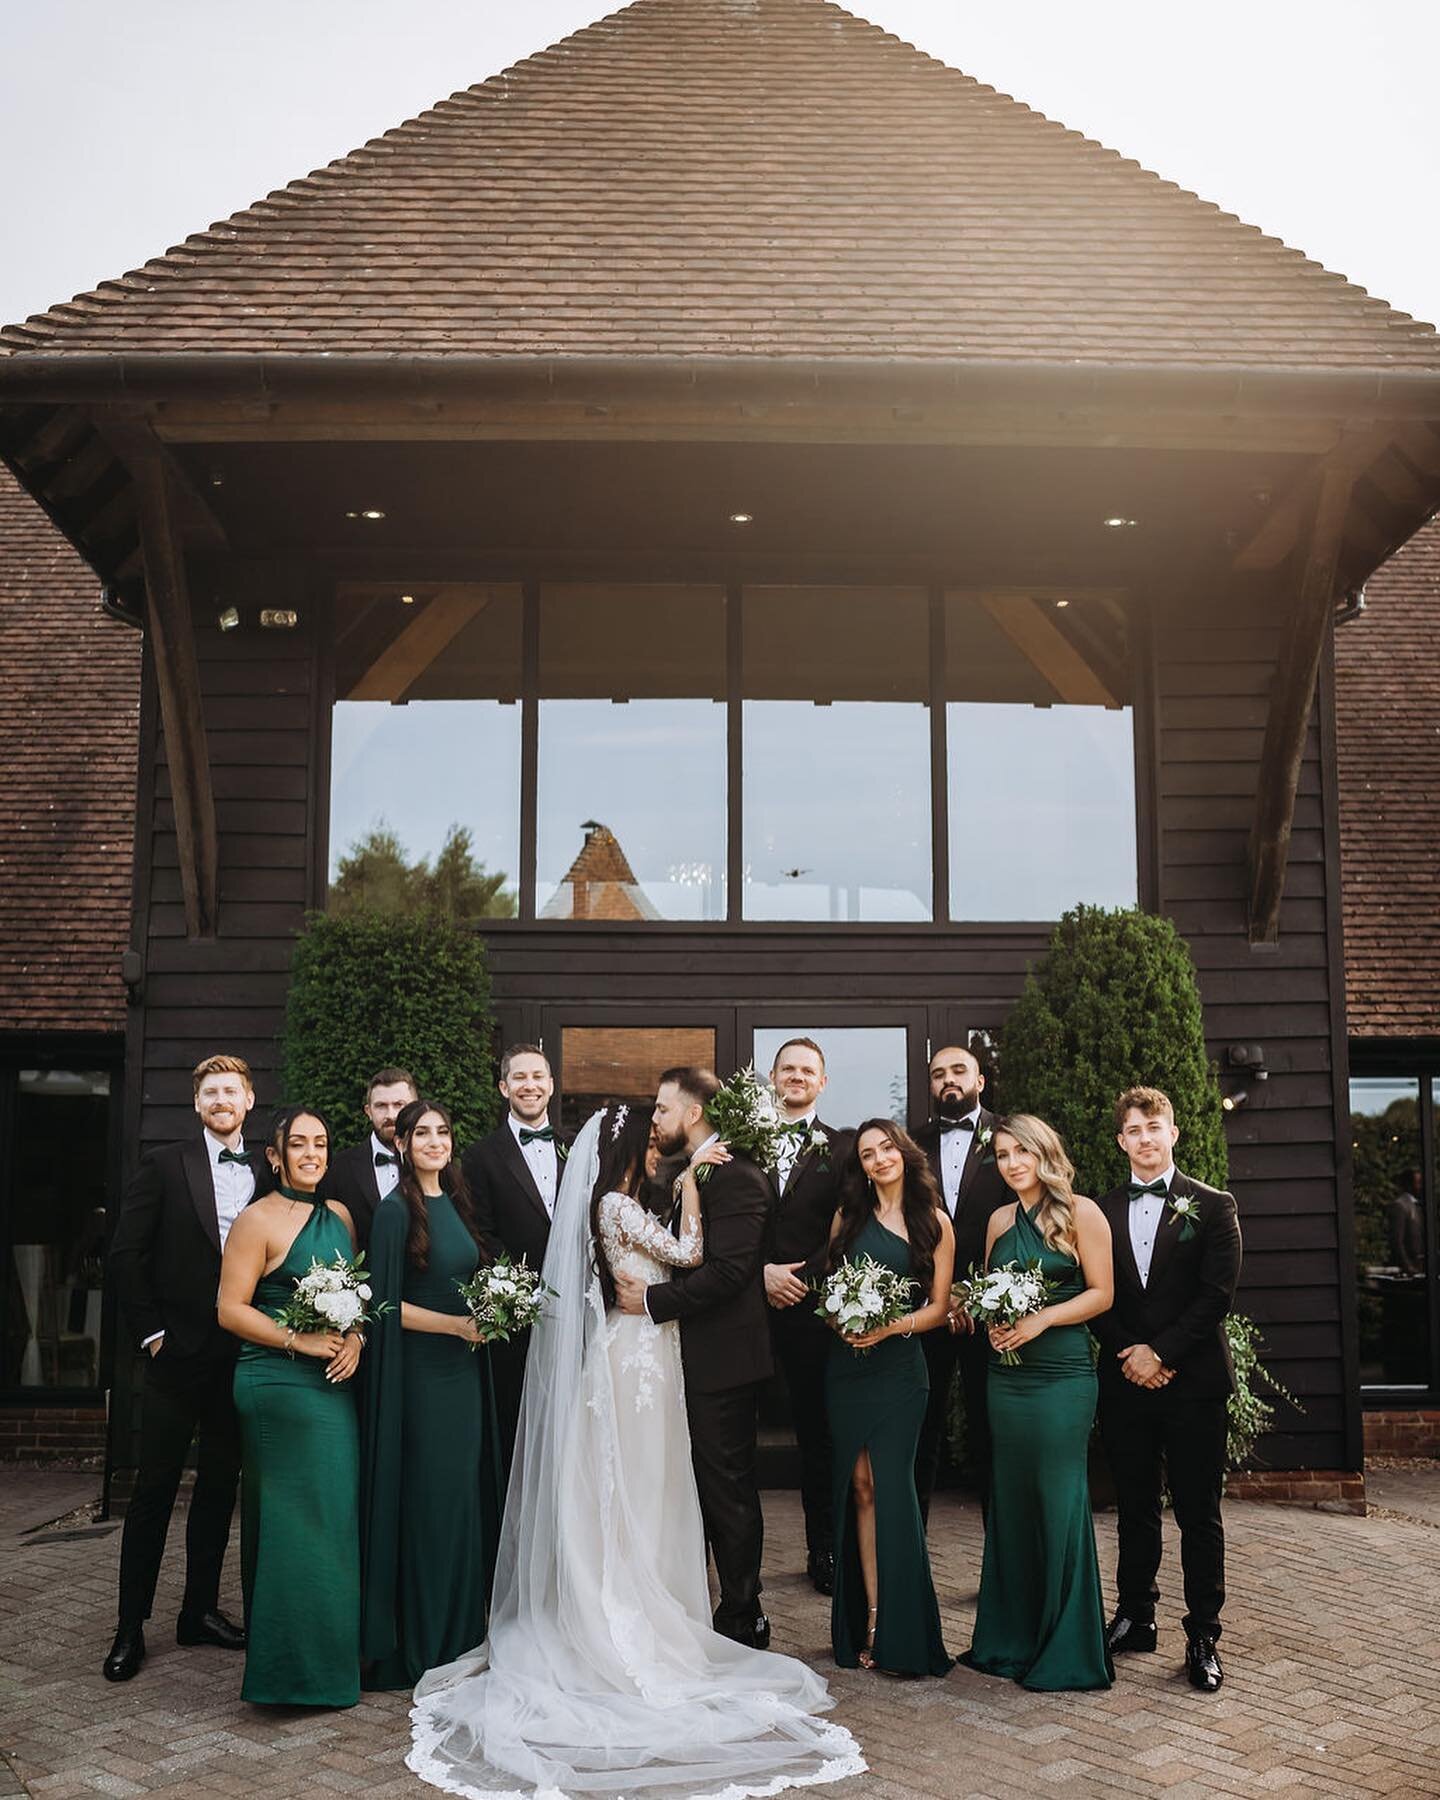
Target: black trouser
{"type": "Point", "coordinates": [944, 1352]}
{"type": "Point", "coordinates": [802, 1345]}
{"type": "Point", "coordinates": [722, 1445]}
{"type": "Point", "coordinates": [1153, 1439]}
{"type": "Point", "coordinates": [183, 1396]}
{"type": "Point", "coordinates": [507, 1372]}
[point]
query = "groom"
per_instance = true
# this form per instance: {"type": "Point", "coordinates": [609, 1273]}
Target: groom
{"type": "Point", "coordinates": [725, 1344]}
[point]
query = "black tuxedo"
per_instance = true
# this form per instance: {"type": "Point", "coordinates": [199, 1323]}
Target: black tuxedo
{"type": "Point", "coordinates": [1172, 1436]}
{"type": "Point", "coordinates": [982, 1191]}
{"type": "Point", "coordinates": [801, 1216]}
{"type": "Point", "coordinates": [510, 1214]}
{"type": "Point", "coordinates": [725, 1344]}
{"type": "Point", "coordinates": [351, 1179]}
{"type": "Point", "coordinates": [165, 1267]}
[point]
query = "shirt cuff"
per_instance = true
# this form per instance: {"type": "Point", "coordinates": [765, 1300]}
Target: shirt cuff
{"type": "Point", "coordinates": [153, 1338]}
{"type": "Point", "coordinates": [646, 1304]}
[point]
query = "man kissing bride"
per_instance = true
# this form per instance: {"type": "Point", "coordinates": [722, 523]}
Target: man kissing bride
{"type": "Point", "coordinates": [602, 1674]}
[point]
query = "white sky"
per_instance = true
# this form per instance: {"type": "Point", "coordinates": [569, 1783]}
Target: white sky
{"type": "Point", "coordinates": [125, 126]}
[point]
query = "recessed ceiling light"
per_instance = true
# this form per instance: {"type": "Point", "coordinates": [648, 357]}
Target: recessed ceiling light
{"type": "Point", "coordinates": [742, 518]}
{"type": "Point", "coordinates": [1118, 524]}
{"type": "Point", "coordinates": [1062, 603]}
{"type": "Point", "coordinates": [407, 599]}
{"type": "Point", "coordinates": [369, 512]}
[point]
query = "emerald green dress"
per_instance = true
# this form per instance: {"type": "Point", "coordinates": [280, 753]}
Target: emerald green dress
{"type": "Point", "coordinates": [431, 1490]}
{"type": "Point", "coordinates": [1041, 1616]}
{"type": "Point", "coordinates": [299, 1523]}
{"type": "Point", "coordinates": [876, 1401]}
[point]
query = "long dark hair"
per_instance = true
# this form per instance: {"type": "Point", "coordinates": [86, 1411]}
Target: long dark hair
{"type": "Point", "coordinates": [623, 1141]}
{"type": "Point", "coordinates": [280, 1130]}
{"type": "Point", "coordinates": [921, 1205]}
{"type": "Point", "coordinates": [452, 1182]}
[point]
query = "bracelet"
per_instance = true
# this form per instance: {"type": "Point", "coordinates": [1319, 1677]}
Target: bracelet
{"type": "Point", "coordinates": [289, 1345]}
{"type": "Point", "coordinates": [910, 1326]}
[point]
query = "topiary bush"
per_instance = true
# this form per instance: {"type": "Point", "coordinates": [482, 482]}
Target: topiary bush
{"type": "Point", "coordinates": [371, 989]}
{"type": "Point", "coordinates": [1113, 1003]}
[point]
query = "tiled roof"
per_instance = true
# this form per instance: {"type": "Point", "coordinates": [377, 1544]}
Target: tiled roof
{"type": "Point", "coordinates": [68, 733]}
{"type": "Point", "coordinates": [599, 884]}
{"type": "Point", "coordinates": [738, 177]}
{"type": "Point", "coordinates": [1387, 705]}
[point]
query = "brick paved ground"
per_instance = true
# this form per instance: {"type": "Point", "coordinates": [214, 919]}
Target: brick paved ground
{"type": "Point", "coordinates": [1333, 1652]}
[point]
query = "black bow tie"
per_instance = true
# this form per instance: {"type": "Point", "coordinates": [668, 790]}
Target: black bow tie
{"type": "Point", "coordinates": [1137, 1188]}
{"type": "Point", "coordinates": [957, 1125]}
{"type": "Point", "coordinates": [545, 1135]}
{"type": "Point", "coordinates": [232, 1156]}
{"type": "Point", "coordinates": [383, 1157]}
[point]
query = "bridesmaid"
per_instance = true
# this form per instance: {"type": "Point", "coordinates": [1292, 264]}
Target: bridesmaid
{"type": "Point", "coordinates": [299, 1526]}
{"type": "Point", "coordinates": [431, 1487]}
{"type": "Point", "coordinates": [1041, 1616]}
{"type": "Point", "coordinates": [884, 1614]}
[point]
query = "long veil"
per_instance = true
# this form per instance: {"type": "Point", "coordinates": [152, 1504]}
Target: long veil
{"type": "Point", "coordinates": [598, 1677]}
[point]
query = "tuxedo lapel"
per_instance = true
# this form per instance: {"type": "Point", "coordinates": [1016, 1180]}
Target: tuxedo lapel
{"type": "Point", "coordinates": [1168, 1234]}
{"type": "Point", "coordinates": [974, 1156]}
{"type": "Point", "coordinates": [511, 1156]}
{"type": "Point", "coordinates": [195, 1161]}
{"type": "Point", "coordinates": [1121, 1249]}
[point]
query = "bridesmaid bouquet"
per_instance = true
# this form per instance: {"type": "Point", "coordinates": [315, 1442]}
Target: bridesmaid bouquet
{"type": "Point", "coordinates": [747, 1117]}
{"type": "Point", "coordinates": [862, 1296]}
{"type": "Point", "coordinates": [333, 1296]}
{"type": "Point", "coordinates": [504, 1297]}
{"type": "Point", "coordinates": [1003, 1296]}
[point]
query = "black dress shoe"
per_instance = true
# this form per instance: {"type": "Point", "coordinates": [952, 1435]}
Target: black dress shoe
{"type": "Point", "coordinates": [1123, 1634]}
{"type": "Point", "coordinates": [821, 1570]}
{"type": "Point", "coordinates": [1202, 1665]}
{"type": "Point", "coordinates": [209, 1628]}
{"type": "Point", "coordinates": [126, 1654]}
{"type": "Point", "coordinates": [760, 1634]}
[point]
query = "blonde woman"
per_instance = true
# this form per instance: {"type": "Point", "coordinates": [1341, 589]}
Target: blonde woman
{"type": "Point", "coordinates": [1041, 1617]}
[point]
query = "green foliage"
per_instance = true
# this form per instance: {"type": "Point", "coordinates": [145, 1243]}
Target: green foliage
{"type": "Point", "coordinates": [1249, 1416]}
{"type": "Point", "coordinates": [374, 875]}
{"type": "Point", "coordinates": [1113, 1003]}
{"type": "Point", "coordinates": [370, 989]}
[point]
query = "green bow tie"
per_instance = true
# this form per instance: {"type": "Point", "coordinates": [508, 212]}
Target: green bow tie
{"type": "Point", "coordinates": [232, 1156]}
{"type": "Point", "coordinates": [1137, 1188]}
{"type": "Point", "coordinates": [796, 1128]}
{"type": "Point", "coordinates": [545, 1135]}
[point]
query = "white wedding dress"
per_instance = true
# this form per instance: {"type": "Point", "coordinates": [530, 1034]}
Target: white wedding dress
{"type": "Point", "coordinates": [601, 1675]}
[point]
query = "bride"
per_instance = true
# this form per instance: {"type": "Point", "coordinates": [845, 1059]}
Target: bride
{"type": "Point", "coordinates": [601, 1675]}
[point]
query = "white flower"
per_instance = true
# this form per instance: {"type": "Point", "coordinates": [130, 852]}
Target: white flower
{"type": "Point", "coordinates": [363, 1290]}
{"type": "Point", "coordinates": [818, 1140]}
{"type": "Point", "coordinates": [1185, 1206]}
{"type": "Point", "coordinates": [832, 1302]}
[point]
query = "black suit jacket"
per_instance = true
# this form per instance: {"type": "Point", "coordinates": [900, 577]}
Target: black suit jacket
{"type": "Point", "coordinates": [724, 1318]}
{"type": "Point", "coordinates": [982, 1191]}
{"type": "Point", "coordinates": [508, 1208]}
{"type": "Point", "coordinates": [803, 1210]}
{"type": "Point", "coordinates": [350, 1179]}
{"type": "Point", "coordinates": [165, 1254]}
{"type": "Point", "coordinates": [1181, 1313]}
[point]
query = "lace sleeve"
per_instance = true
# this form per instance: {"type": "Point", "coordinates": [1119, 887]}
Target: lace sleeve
{"type": "Point", "coordinates": [636, 1229]}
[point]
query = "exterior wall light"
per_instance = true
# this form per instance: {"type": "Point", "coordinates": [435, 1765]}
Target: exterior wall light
{"type": "Point", "coordinates": [229, 619]}
{"type": "Point", "coordinates": [279, 618]}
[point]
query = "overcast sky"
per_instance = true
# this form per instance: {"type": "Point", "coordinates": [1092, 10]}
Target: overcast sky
{"type": "Point", "coordinates": [127, 126]}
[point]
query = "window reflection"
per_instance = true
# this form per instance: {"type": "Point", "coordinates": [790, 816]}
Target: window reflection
{"type": "Point", "coordinates": [865, 1066]}
{"type": "Point", "coordinates": [836, 754]}
{"type": "Point", "coordinates": [1040, 748]}
{"type": "Point", "coordinates": [1391, 1240]}
{"type": "Point", "coordinates": [425, 749]}
{"type": "Point", "coordinates": [631, 801]}
{"type": "Point", "coordinates": [624, 1062]}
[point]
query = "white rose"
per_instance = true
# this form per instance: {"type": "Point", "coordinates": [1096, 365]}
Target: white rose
{"type": "Point", "coordinates": [833, 1303]}
{"type": "Point", "coordinates": [818, 1140]}
{"type": "Point", "coordinates": [363, 1290]}
{"type": "Point", "coordinates": [345, 1310]}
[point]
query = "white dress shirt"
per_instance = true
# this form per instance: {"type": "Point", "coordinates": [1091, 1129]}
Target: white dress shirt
{"type": "Point", "coordinates": [789, 1152]}
{"type": "Point", "coordinates": [955, 1146]}
{"type": "Point", "coordinates": [1146, 1212]}
{"type": "Point", "coordinates": [387, 1175]}
{"type": "Point", "coordinates": [540, 1159]}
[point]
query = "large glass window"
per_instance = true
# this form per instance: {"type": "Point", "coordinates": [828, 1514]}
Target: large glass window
{"type": "Point", "coordinates": [837, 754]}
{"type": "Point", "coordinates": [624, 1062]}
{"type": "Point", "coordinates": [631, 800]}
{"type": "Point", "coordinates": [1040, 752]}
{"type": "Point", "coordinates": [1392, 1248]}
{"type": "Point", "coordinates": [425, 748]}
{"type": "Point", "coordinates": [865, 1067]}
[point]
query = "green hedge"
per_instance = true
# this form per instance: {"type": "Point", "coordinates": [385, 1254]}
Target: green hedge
{"type": "Point", "coordinates": [369, 989]}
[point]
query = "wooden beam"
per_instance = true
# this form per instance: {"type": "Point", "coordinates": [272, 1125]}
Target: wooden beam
{"type": "Point", "coordinates": [132, 438]}
{"type": "Point", "coordinates": [177, 677]}
{"type": "Point", "coordinates": [1292, 698]}
{"type": "Point", "coordinates": [1031, 629]}
{"type": "Point", "coordinates": [401, 665]}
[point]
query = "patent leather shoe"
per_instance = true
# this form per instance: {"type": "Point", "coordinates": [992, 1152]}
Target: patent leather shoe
{"type": "Point", "coordinates": [760, 1633]}
{"type": "Point", "coordinates": [1123, 1634]}
{"type": "Point", "coordinates": [126, 1654]}
{"type": "Point", "coordinates": [209, 1628]}
{"type": "Point", "coordinates": [1202, 1665]}
{"type": "Point", "coordinates": [821, 1570]}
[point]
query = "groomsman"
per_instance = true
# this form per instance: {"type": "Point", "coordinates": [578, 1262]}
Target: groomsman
{"type": "Point", "coordinates": [165, 1263]}
{"type": "Point", "coordinates": [725, 1346]}
{"type": "Point", "coordinates": [1166, 1378]}
{"type": "Point", "coordinates": [806, 1181]}
{"type": "Point", "coordinates": [360, 1177]}
{"type": "Point", "coordinates": [956, 1140]}
{"type": "Point", "coordinates": [514, 1178]}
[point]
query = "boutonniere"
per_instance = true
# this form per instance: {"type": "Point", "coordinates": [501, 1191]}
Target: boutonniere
{"type": "Point", "coordinates": [983, 1136]}
{"type": "Point", "coordinates": [1185, 1208]}
{"type": "Point", "coordinates": [562, 1150]}
{"type": "Point", "coordinates": [817, 1140]}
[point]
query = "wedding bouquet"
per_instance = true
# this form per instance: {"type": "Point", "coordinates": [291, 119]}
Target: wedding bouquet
{"type": "Point", "coordinates": [333, 1296]}
{"type": "Point", "coordinates": [504, 1297]}
{"type": "Point", "coordinates": [1003, 1296]}
{"type": "Point", "coordinates": [746, 1115]}
{"type": "Point", "coordinates": [862, 1296]}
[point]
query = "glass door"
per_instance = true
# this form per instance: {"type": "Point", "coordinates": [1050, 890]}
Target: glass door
{"type": "Point", "coordinates": [600, 1052]}
{"type": "Point", "coordinates": [874, 1057]}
